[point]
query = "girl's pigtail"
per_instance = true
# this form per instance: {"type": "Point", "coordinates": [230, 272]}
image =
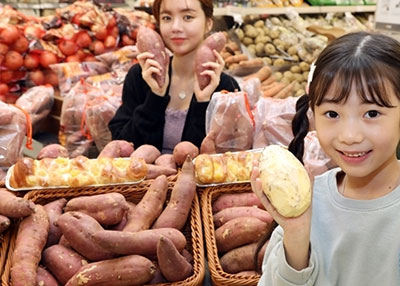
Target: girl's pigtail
{"type": "Point", "coordinates": [300, 126]}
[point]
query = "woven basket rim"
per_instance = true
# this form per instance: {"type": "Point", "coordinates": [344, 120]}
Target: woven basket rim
{"type": "Point", "coordinates": [197, 242]}
{"type": "Point", "coordinates": [4, 244]}
{"type": "Point", "coordinates": [218, 275]}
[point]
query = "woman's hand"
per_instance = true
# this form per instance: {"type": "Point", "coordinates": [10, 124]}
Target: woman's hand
{"type": "Point", "coordinates": [214, 70]}
{"type": "Point", "coordinates": [151, 67]}
{"type": "Point", "coordinates": [296, 229]}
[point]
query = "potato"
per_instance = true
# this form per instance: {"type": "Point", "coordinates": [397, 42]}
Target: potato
{"type": "Point", "coordinates": [225, 215]}
{"type": "Point", "coordinates": [176, 212]}
{"type": "Point", "coordinates": [116, 149]}
{"type": "Point", "coordinates": [127, 270]}
{"type": "Point", "coordinates": [107, 209]}
{"type": "Point", "coordinates": [304, 66]}
{"type": "Point", "coordinates": [184, 149]}
{"type": "Point", "coordinates": [30, 241]}
{"type": "Point", "coordinates": [205, 54]}
{"type": "Point", "coordinates": [62, 262]}
{"type": "Point", "coordinates": [149, 207]}
{"type": "Point", "coordinates": [53, 151]}
{"type": "Point", "coordinates": [148, 40]}
{"type": "Point", "coordinates": [173, 265]}
{"type": "Point", "coordinates": [238, 232]}
{"type": "Point", "coordinates": [147, 152]}
{"type": "Point", "coordinates": [285, 181]}
{"type": "Point", "coordinates": [269, 49]}
{"type": "Point", "coordinates": [235, 200]}
{"type": "Point", "coordinates": [143, 242]}
{"type": "Point", "coordinates": [54, 209]}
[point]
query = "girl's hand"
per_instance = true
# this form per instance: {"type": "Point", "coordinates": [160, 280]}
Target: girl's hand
{"type": "Point", "coordinates": [151, 67]}
{"type": "Point", "coordinates": [296, 229]}
{"type": "Point", "coordinates": [214, 70]}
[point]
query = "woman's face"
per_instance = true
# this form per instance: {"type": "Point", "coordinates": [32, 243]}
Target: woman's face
{"type": "Point", "coordinates": [183, 25]}
{"type": "Point", "coordinates": [360, 137]}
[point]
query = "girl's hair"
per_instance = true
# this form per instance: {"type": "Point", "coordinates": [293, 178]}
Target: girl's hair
{"type": "Point", "coordinates": [206, 5]}
{"type": "Point", "coordinates": [369, 61]}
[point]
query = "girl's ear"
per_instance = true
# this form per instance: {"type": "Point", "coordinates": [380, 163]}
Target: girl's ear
{"type": "Point", "coordinates": [209, 25]}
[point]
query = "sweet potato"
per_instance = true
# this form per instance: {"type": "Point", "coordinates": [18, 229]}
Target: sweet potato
{"type": "Point", "coordinates": [228, 214]}
{"type": "Point", "coordinates": [149, 207]}
{"type": "Point", "coordinates": [117, 148]}
{"type": "Point", "coordinates": [166, 160]}
{"type": "Point", "coordinates": [54, 209]}
{"type": "Point", "coordinates": [107, 209]}
{"type": "Point", "coordinates": [64, 242]}
{"type": "Point", "coordinates": [158, 278]}
{"type": "Point", "coordinates": [208, 144]}
{"type": "Point", "coordinates": [52, 151]}
{"type": "Point", "coordinates": [239, 231]}
{"type": "Point", "coordinates": [184, 149]}
{"type": "Point", "coordinates": [78, 229]}
{"type": "Point", "coordinates": [62, 262]}
{"type": "Point", "coordinates": [14, 207]}
{"type": "Point", "coordinates": [4, 223]}
{"type": "Point", "coordinates": [148, 40]}
{"type": "Point", "coordinates": [147, 152]}
{"type": "Point", "coordinates": [142, 242]}
{"type": "Point", "coordinates": [44, 278]}
{"type": "Point", "coordinates": [30, 241]}
{"type": "Point", "coordinates": [153, 171]}
{"type": "Point", "coordinates": [205, 54]}
{"type": "Point", "coordinates": [241, 258]}
{"type": "Point", "coordinates": [176, 212]}
{"type": "Point", "coordinates": [120, 226]}
{"type": "Point", "coordinates": [236, 200]}
{"type": "Point", "coordinates": [173, 265]}
{"type": "Point", "coordinates": [127, 270]}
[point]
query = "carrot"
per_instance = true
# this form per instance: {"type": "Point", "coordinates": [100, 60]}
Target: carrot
{"type": "Point", "coordinates": [251, 63]}
{"type": "Point", "coordinates": [263, 73]}
{"type": "Point", "coordinates": [285, 92]}
{"type": "Point", "coordinates": [268, 80]}
{"type": "Point", "coordinates": [274, 90]}
{"type": "Point", "coordinates": [236, 59]}
{"type": "Point", "coordinates": [269, 86]}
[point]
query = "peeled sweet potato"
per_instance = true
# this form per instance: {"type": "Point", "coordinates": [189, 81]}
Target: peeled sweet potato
{"type": "Point", "coordinates": [149, 207]}
{"type": "Point", "coordinates": [78, 229]}
{"type": "Point", "coordinates": [117, 148]}
{"type": "Point", "coordinates": [176, 212]}
{"type": "Point", "coordinates": [54, 209]}
{"type": "Point", "coordinates": [166, 160]}
{"type": "Point", "coordinates": [44, 278]}
{"type": "Point", "coordinates": [184, 149]}
{"type": "Point", "coordinates": [228, 214]}
{"type": "Point", "coordinates": [142, 242]}
{"type": "Point", "coordinates": [52, 151]}
{"type": "Point", "coordinates": [173, 265]}
{"type": "Point", "coordinates": [148, 40]}
{"type": "Point", "coordinates": [239, 231]}
{"type": "Point", "coordinates": [127, 270]}
{"type": "Point", "coordinates": [107, 209]}
{"type": "Point", "coordinates": [62, 262]}
{"type": "Point", "coordinates": [147, 152]}
{"type": "Point", "coordinates": [30, 241]}
{"type": "Point", "coordinates": [14, 207]}
{"type": "Point", "coordinates": [205, 54]}
{"type": "Point", "coordinates": [236, 200]}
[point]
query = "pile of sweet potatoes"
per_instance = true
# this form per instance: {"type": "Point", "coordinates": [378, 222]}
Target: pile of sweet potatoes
{"type": "Point", "coordinates": [239, 222]}
{"type": "Point", "coordinates": [107, 238]}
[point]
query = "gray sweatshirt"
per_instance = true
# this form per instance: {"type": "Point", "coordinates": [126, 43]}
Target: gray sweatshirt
{"type": "Point", "coordinates": [353, 242]}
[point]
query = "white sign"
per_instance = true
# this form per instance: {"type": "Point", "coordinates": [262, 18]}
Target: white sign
{"type": "Point", "coordinates": [387, 15]}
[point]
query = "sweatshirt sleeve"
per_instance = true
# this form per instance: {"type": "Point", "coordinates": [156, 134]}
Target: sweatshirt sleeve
{"type": "Point", "coordinates": [140, 118]}
{"type": "Point", "coordinates": [277, 272]}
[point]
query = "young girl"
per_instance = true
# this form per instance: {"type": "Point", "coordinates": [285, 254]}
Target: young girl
{"type": "Point", "coordinates": [175, 112]}
{"type": "Point", "coordinates": [350, 236]}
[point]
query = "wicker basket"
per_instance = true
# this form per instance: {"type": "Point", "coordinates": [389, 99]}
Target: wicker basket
{"type": "Point", "coordinates": [192, 229]}
{"type": "Point", "coordinates": [4, 243]}
{"type": "Point", "coordinates": [218, 275]}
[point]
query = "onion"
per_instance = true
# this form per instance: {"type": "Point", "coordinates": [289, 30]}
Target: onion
{"type": "Point", "coordinates": [6, 76]}
{"type": "Point", "coordinates": [90, 58]}
{"type": "Point", "coordinates": [47, 58]}
{"type": "Point", "coordinates": [3, 88]}
{"type": "Point", "coordinates": [67, 47]}
{"type": "Point", "coordinates": [100, 32]}
{"type": "Point", "coordinates": [83, 40]}
{"type": "Point", "coordinates": [110, 42]}
{"type": "Point", "coordinates": [13, 60]}
{"type": "Point", "coordinates": [21, 45]}
{"type": "Point", "coordinates": [97, 47]}
{"type": "Point", "coordinates": [3, 49]}
{"type": "Point", "coordinates": [33, 31]}
{"type": "Point", "coordinates": [9, 34]}
{"type": "Point", "coordinates": [126, 41]}
{"type": "Point", "coordinates": [72, 58]}
{"type": "Point", "coordinates": [37, 77]}
{"type": "Point", "coordinates": [51, 78]}
{"type": "Point", "coordinates": [31, 61]}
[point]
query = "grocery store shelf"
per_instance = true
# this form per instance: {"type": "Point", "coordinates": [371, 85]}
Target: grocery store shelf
{"type": "Point", "coordinates": [304, 9]}
{"type": "Point", "coordinates": [42, 6]}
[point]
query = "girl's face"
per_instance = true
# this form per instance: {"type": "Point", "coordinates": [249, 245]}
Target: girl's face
{"type": "Point", "coordinates": [183, 25]}
{"type": "Point", "coordinates": [360, 137]}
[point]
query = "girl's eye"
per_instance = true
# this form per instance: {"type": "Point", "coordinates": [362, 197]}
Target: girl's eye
{"type": "Point", "coordinates": [372, 114]}
{"type": "Point", "coordinates": [331, 114]}
{"type": "Point", "coordinates": [165, 18]}
{"type": "Point", "coordinates": [188, 17]}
